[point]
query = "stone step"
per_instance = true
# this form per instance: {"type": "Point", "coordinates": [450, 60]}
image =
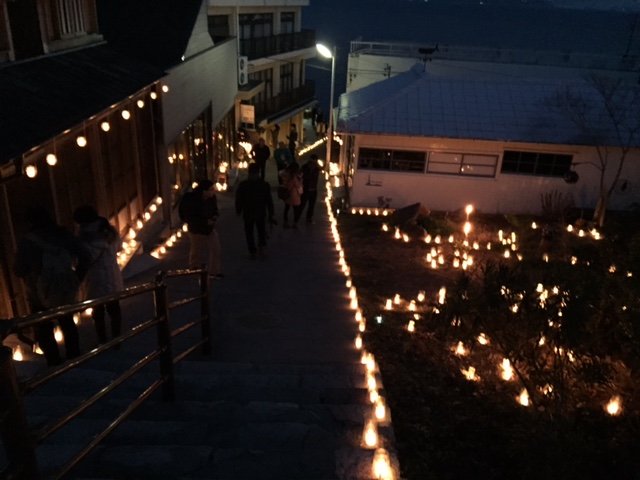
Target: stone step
{"type": "Point", "coordinates": [230, 421]}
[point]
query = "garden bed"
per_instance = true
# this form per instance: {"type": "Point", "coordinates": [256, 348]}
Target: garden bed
{"type": "Point", "coordinates": [561, 310]}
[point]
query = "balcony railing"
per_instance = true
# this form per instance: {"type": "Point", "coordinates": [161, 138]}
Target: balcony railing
{"type": "Point", "coordinates": [285, 102]}
{"type": "Point", "coordinates": [276, 44]}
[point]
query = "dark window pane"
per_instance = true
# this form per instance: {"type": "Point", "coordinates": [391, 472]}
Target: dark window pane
{"type": "Point", "coordinates": [545, 164]}
{"type": "Point", "coordinates": [527, 162]}
{"type": "Point", "coordinates": [510, 161]}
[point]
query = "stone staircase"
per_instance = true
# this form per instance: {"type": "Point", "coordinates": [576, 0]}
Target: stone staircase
{"type": "Point", "coordinates": [229, 421]}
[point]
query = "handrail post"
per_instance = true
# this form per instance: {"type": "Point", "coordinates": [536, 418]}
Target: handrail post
{"type": "Point", "coordinates": [14, 428]}
{"type": "Point", "coordinates": [164, 338]}
{"type": "Point", "coordinates": [205, 312]}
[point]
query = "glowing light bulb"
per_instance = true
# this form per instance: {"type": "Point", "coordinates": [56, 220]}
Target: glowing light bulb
{"type": "Point", "coordinates": [31, 171]}
{"type": "Point", "coordinates": [105, 126]}
{"type": "Point", "coordinates": [81, 141]}
{"type": "Point", "coordinates": [52, 160]}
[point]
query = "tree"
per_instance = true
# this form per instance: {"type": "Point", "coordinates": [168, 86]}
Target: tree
{"type": "Point", "coordinates": [607, 115]}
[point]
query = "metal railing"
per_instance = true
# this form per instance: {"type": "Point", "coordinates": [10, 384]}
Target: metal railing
{"type": "Point", "coordinates": [261, 47]}
{"type": "Point", "coordinates": [285, 102]}
{"type": "Point", "coordinates": [628, 63]}
{"type": "Point", "coordinates": [20, 441]}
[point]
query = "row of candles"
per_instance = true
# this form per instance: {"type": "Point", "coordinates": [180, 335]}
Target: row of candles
{"type": "Point", "coordinates": [381, 468]}
{"type": "Point", "coordinates": [129, 244]}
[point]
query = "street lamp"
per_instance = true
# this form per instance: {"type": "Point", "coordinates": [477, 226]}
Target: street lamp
{"type": "Point", "coordinates": [327, 53]}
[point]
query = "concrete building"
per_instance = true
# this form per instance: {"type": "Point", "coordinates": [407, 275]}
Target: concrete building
{"type": "Point", "coordinates": [273, 49]}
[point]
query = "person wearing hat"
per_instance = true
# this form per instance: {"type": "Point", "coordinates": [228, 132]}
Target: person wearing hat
{"type": "Point", "coordinates": [199, 210]}
{"type": "Point", "coordinates": [104, 276]}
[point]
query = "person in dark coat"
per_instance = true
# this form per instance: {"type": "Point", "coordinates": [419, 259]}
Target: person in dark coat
{"type": "Point", "coordinates": [260, 154]}
{"type": "Point", "coordinates": [104, 276]}
{"type": "Point", "coordinates": [254, 203]}
{"type": "Point", "coordinates": [310, 174]}
{"type": "Point", "coordinates": [293, 140]}
{"type": "Point", "coordinates": [199, 210]}
{"type": "Point", "coordinates": [44, 236]}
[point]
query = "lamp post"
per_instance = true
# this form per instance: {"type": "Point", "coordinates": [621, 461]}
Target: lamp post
{"type": "Point", "coordinates": [327, 53]}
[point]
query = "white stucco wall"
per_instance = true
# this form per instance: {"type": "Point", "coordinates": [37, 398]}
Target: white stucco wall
{"type": "Point", "coordinates": [209, 77]}
{"type": "Point", "coordinates": [506, 193]}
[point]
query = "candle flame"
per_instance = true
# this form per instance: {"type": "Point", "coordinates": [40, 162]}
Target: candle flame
{"type": "Point", "coordinates": [523, 398]}
{"type": "Point", "coordinates": [382, 465]}
{"type": "Point", "coordinates": [370, 434]}
{"type": "Point", "coordinates": [614, 406]}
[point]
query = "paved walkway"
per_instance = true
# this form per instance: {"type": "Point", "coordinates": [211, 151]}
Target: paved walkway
{"type": "Point", "coordinates": [292, 306]}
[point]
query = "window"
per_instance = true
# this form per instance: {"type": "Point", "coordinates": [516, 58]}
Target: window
{"type": "Point", "coordinates": [532, 163]}
{"type": "Point", "coordinates": [462, 164]}
{"type": "Point", "coordinates": [286, 77]}
{"type": "Point", "coordinates": [266, 77]}
{"type": "Point", "coordinates": [256, 26]}
{"type": "Point", "coordinates": [396, 160]}
{"type": "Point", "coordinates": [71, 17]}
{"type": "Point", "coordinates": [287, 22]}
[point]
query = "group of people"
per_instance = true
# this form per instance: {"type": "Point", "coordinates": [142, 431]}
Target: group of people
{"type": "Point", "coordinates": [297, 187]}
{"type": "Point", "coordinates": [60, 268]}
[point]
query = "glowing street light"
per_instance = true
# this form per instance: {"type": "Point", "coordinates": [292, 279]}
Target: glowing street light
{"type": "Point", "coordinates": [328, 53]}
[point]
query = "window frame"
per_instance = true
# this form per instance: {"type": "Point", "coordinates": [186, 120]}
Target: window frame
{"type": "Point", "coordinates": [537, 164]}
{"type": "Point", "coordinates": [392, 160]}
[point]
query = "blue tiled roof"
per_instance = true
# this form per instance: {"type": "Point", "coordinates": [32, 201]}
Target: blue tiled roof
{"type": "Point", "coordinates": [416, 104]}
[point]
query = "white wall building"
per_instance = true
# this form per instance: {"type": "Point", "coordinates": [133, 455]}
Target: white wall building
{"type": "Point", "coordinates": [496, 143]}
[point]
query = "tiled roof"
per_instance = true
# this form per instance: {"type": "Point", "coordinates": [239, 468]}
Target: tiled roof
{"type": "Point", "coordinates": [42, 97]}
{"type": "Point", "coordinates": [416, 104]}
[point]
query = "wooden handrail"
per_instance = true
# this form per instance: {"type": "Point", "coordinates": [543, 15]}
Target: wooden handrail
{"type": "Point", "coordinates": [20, 442]}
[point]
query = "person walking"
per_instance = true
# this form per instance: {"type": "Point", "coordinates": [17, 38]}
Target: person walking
{"type": "Point", "coordinates": [45, 259]}
{"type": "Point", "coordinates": [199, 210]}
{"type": "Point", "coordinates": [254, 203]}
{"type": "Point", "coordinates": [275, 133]}
{"type": "Point", "coordinates": [283, 159]}
{"type": "Point", "coordinates": [293, 140]}
{"type": "Point", "coordinates": [260, 154]}
{"type": "Point", "coordinates": [292, 182]}
{"type": "Point", "coordinates": [320, 125]}
{"type": "Point", "coordinates": [104, 276]}
{"type": "Point", "coordinates": [310, 173]}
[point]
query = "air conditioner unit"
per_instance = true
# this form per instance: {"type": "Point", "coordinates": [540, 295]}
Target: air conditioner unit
{"type": "Point", "coordinates": [243, 70]}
